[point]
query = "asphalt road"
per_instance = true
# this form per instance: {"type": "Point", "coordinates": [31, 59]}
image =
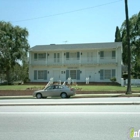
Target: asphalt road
{"type": "Point", "coordinates": [68, 122]}
{"type": "Point", "coordinates": [59, 101]}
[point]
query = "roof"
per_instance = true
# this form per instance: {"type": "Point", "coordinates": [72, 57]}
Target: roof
{"type": "Point", "coordinates": [84, 46]}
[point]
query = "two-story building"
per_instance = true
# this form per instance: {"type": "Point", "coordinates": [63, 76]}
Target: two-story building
{"type": "Point", "coordinates": [98, 61]}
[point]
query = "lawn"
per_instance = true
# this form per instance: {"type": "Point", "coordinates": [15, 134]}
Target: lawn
{"type": "Point", "coordinates": [20, 87]}
{"type": "Point", "coordinates": [83, 88]}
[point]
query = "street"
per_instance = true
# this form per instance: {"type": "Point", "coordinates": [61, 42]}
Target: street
{"type": "Point", "coordinates": [68, 122]}
{"type": "Point", "coordinates": [71, 101]}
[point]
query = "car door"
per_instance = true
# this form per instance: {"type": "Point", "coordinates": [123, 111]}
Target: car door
{"type": "Point", "coordinates": [49, 91]}
{"type": "Point", "coordinates": [57, 90]}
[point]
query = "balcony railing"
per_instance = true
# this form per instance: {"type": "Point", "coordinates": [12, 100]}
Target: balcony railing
{"type": "Point", "coordinates": [71, 61]}
{"type": "Point", "coordinates": [55, 61]}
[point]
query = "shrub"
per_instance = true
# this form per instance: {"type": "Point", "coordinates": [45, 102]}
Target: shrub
{"type": "Point", "coordinates": [113, 79]}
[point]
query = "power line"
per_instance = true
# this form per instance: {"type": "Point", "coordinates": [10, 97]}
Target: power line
{"type": "Point", "coordinates": [68, 12]}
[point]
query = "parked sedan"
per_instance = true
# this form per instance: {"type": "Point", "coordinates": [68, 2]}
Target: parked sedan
{"type": "Point", "coordinates": [55, 91]}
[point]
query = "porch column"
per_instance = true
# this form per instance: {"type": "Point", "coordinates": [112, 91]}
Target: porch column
{"type": "Point", "coordinates": [80, 57]}
{"type": "Point", "coordinates": [116, 55]}
{"type": "Point", "coordinates": [62, 58]}
{"type": "Point", "coordinates": [46, 58]}
{"type": "Point", "coordinates": [98, 56]}
{"type": "Point", "coordinates": [30, 57]}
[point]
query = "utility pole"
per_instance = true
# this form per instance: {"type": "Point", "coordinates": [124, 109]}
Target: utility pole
{"type": "Point", "coordinates": [129, 49]}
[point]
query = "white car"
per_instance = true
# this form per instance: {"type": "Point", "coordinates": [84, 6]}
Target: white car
{"type": "Point", "coordinates": [55, 91]}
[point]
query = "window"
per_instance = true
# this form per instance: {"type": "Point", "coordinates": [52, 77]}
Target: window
{"type": "Point", "coordinates": [41, 55]}
{"type": "Point", "coordinates": [89, 56]}
{"type": "Point", "coordinates": [56, 57]}
{"type": "Point", "coordinates": [101, 54]}
{"type": "Point", "coordinates": [73, 74]}
{"type": "Point", "coordinates": [107, 74]}
{"type": "Point", "coordinates": [73, 55]}
{"type": "Point", "coordinates": [40, 74]}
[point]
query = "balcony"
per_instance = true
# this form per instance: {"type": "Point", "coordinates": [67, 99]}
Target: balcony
{"type": "Point", "coordinates": [74, 61]}
{"type": "Point", "coordinates": [56, 61]}
{"type": "Point", "coordinates": [71, 61]}
{"type": "Point", "coordinates": [107, 60]}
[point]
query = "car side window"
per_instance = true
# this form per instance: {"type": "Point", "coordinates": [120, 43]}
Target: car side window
{"type": "Point", "coordinates": [49, 87]}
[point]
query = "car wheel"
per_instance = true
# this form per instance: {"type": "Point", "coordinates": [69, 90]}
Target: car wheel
{"type": "Point", "coordinates": [63, 95]}
{"type": "Point", "coordinates": [38, 95]}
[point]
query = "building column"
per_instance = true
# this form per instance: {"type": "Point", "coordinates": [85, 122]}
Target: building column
{"type": "Point", "coordinates": [116, 55]}
{"type": "Point", "coordinates": [30, 56]}
{"type": "Point", "coordinates": [62, 58]}
{"type": "Point", "coordinates": [46, 58]}
{"type": "Point", "coordinates": [98, 56]}
{"type": "Point", "coordinates": [80, 57]}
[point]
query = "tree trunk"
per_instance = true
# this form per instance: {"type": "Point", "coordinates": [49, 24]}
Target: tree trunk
{"type": "Point", "coordinates": [129, 50]}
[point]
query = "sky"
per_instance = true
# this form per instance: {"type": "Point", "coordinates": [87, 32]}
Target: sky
{"type": "Point", "coordinates": [67, 21]}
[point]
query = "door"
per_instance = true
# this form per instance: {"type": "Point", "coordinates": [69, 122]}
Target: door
{"type": "Point", "coordinates": [89, 57]}
{"type": "Point", "coordinates": [90, 74]}
{"type": "Point", "coordinates": [56, 75]}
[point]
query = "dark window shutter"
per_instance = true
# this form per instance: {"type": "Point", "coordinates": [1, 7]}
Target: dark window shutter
{"type": "Point", "coordinates": [67, 74]}
{"type": "Point", "coordinates": [78, 55]}
{"type": "Point", "coordinates": [45, 74]}
{"type": "Point", "coordinates": [35, 55]}
{"type": "Point", "coordinates": [113, 73]}
{"type": "Point", "coordinates": [101, 74]}
{"type": "Point", "coordinates": [35, 74]}
{"type": "Point", "coordinates": [67, 55]}
{"type": "Point", "coordinates": [113, 54]}
{"type": "Point", "coordinates": [78, 74]}
{"type": "Point", "coordinates": [101, 53]}
{"type": "Point", "coordinates": [54, 57]}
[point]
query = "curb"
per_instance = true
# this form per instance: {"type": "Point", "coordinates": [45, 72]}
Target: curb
{"type": "Point", "coordinates": [62, 104]}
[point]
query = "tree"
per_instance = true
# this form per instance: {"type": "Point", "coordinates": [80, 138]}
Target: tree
{"type": "Point", "coordinates": [117, 35]}
{"type": "Point", "coordinates": [134, 26]}
{"type": "Point", "coordinates": [13, 47]}
{"type": "Point", "coordinates": [134, 29]}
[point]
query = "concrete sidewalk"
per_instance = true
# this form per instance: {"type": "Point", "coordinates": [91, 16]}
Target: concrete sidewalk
{"type": "Point", "coordinates": [93, 99]}
{"type": "Point", "coordinates": [104, 95]}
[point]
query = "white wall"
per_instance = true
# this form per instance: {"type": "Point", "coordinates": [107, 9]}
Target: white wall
{"type": "Point", "coordinates": [95, 73]}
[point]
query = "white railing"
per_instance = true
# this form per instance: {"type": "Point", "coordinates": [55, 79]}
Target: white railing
{"type": "Point", "coordinates": [54, 61]}
{"type": "Point", "coordinates": [72, 61]}
{"type": "Point", "coordinates": [67, 61]}
{"type": "Point", "coordinates": [107, 60]}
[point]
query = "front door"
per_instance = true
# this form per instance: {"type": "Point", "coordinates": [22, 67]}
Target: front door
{"type": "Point", "coordinates": [56, 75]}
{"type": "Point", "coordinates": [90, 74]}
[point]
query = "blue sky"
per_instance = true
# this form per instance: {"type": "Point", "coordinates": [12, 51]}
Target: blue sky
{"type": "Point", "coordinates": [74, 21]}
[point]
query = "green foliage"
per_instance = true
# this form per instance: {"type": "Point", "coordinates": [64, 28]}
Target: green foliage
{"type": "Point", "coordinates": [13, 47]}
{"type": "Point", "coordinates": [113, 79]}
{"type": "Point", "coordinates": [134, 25]}
{"type": "Point", "coordinates": [117, 35]}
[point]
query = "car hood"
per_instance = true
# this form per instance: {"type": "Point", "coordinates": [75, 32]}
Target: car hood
{"type": "Point", "coordinates": [39, 91]}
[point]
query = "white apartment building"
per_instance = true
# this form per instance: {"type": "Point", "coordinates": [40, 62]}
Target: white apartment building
{"type": "Point", "coordinates": [98, 61]}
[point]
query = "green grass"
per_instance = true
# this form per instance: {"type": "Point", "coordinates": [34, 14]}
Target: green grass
{"type": "Point", "coordinates": [105, 88]}
{"type": "Point", "coordinates": [84, 88]}
{"type": "Point", "coordinates": [20, 87]}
